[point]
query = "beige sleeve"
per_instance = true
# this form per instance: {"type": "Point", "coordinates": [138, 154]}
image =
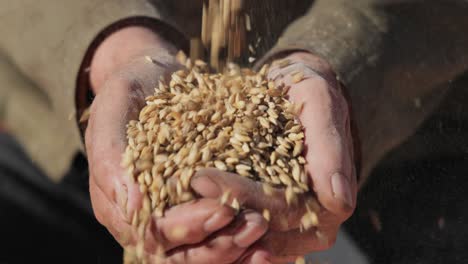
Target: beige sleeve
{"type": "Point", "coordinates": [396, 58]}
{"type": "Point", "coordinates": [46, 42]}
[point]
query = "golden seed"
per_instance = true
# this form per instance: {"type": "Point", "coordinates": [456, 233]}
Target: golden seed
{"type": "Point", "coordinates": [298, 77]}
{"type": "Point", "coordinates": [239, 122]}
{"type": "Point", "coordinates": [245, 147]}
{"type": "Point", "coordinates": [266, 214]}
{"type": "Point", "coordinates": [200, 127]}
{"type": "Point", "coordinates": [148, 178]}
{"type": "Point", "coordinates": [321, 237]}
{"type": "Point", "coordinates": [235, 204]}
{"type": "Point", "coordinates": [225, 197]}
{"type": "Point", "coordinates": [296, 171]}
{"type": "Point", "coordinates": [181, 57]}
{"type": "Point", "coordinates": [248, 25]}
{"type": "Point", "coordinates": [284, 178]}
{"type": "Point", "coordinates": [148, 59]}
{"type": "Point", "coordinates": [232, 161]}
{"type": "Point", "coordinates": [296, 136]}
{"type": "Point", "coordinates": [135, 219]}
{"type": "Point", "coordinates": [271, 85]}
{"type": "Point", "coordinates": [273, 157]}
{"type": "Point", "coordinates": [301, 160]}
{"type": "Point", "coordinates": [298, 148]}
{"type": "Point", "coordinates": [146, 203]}
{"type": "Point", "coordinates": [300, 260]}
{"type": "Point", "coordinates": [179, 188]}
{"type": "Point", "coordinates": [291, 197]}
{"type": "Point", "coordinates": [143, 188]}
{"type": "Point", "coordinates": [280, 163]}
{"type": "Point", "coordinates": [267, 189]}
{"type": "Point", "coordinates": [282, 151]}
{"type": "Point", "coordinates": [242, 138]}
{"type": "Point", "coordinates": [193, 156]}
{"type": "Point", "coordinates": [283, 63]}
{"type": "Point", "coordinates": [314, 218]}
{"type": "Point", "coordinates": [220, 165]}
{"type": "Point", "coordinates": [297, 109]}
{"type": "Point", "coordinates": [275, 180]}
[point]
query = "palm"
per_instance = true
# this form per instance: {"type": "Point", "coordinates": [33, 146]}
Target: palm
{"type": "Point", "coordinates": [115, 197]}
{"type": "Point", "coordinates": [329, 156]}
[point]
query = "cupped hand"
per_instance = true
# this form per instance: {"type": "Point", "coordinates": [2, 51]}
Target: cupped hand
{"type": "Point", "coordinates": [330, 166]}
{"type": "Point", "coordinates": [125, 69]}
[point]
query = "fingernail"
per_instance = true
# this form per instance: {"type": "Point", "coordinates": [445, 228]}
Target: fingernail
{"type": "Point", "coordinates": [218, 220]}
{"type": "Point", "coordinates": [251, 231]}
{"type": "Point", "coordinates": [206, 187]}
{"type": "Point", "coordinates": [342, 189]}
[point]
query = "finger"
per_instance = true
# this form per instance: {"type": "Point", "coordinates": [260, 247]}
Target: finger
{"type": "Point", "coordinates": [189, 223]}
{"type": "Point", "coordinates": [255, 255]}
{"type": "Point", "coordinates": [287, 246]}
{"type": "Point", "coordinates": [113, 107]}
{"type": "Point", "coordinates": [330, 165]}
{"type": "Point", "coordinates": [110, 216]}
{"type": "Point", "coordinates": [225, 246]}
{"type": "Point", "coordinates": [212, 183]}
{"type": "Point", "coordinates": [105, 141]}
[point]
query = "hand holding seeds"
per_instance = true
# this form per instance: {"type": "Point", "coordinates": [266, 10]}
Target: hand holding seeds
{"type": "Point", "coordinates": [329, 156]}
{"type": "Point", "coordinates": [181, 233]}
{"type": "Point", "coordinates": [326, 120]}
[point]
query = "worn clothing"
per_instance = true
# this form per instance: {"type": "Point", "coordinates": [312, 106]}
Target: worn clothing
{"type": "Point", "coordinates": [396, 58]}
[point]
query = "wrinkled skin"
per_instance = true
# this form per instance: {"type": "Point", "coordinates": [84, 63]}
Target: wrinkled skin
{"type": "Point", "coordinates": [330, 164]}
{"type": "Point", "coordinates": [122, 77]}
{"type": "Point", "coordinates": [214, 233]}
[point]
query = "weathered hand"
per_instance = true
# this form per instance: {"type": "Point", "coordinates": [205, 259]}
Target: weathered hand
{"type": "Point", "coordinates": [121, 88]}
{"type": "Point", "coordinates": [329, 155]}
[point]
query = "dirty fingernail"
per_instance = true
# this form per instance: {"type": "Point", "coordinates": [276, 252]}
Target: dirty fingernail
{"type": "Point", "coordinates": [342, 189]}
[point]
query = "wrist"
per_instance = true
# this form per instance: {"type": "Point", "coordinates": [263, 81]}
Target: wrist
{"type": "Point", "coordinates": [120, 48]}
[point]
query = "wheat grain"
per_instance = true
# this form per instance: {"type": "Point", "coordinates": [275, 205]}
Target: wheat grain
{"type": "Point", "coordinates": [237, 122]}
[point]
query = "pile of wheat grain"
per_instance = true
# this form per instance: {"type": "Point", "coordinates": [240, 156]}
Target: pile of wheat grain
{"type": "Point", "coordinates": [237, 122]}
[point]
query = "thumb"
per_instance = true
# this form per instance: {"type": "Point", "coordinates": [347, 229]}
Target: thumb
{"type": "Point", "coordinates": [213, 183]}
{"type": "Point", "coordinates": [325, 118]}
